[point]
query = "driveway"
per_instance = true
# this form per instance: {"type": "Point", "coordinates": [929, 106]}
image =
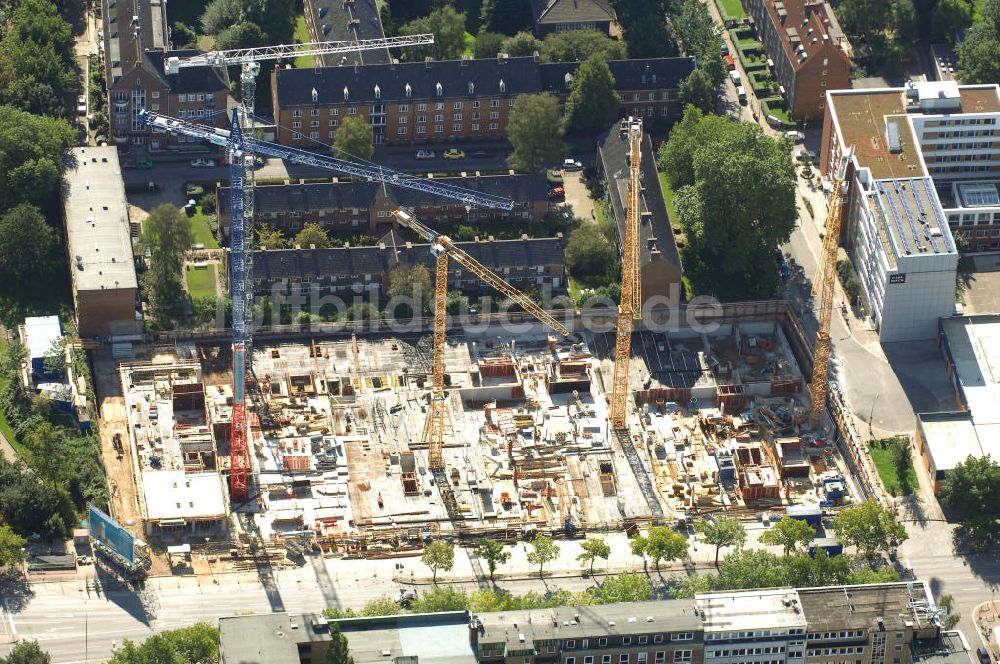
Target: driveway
{"type": "Point", "coordinates": [578, 197]}
{"type": "Point", "coordinates": [982, 292]}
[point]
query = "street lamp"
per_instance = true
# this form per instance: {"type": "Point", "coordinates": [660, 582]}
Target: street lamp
{"type": "Point", "coordinates": [871, 414]}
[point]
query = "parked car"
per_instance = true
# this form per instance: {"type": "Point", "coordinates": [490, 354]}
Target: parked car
{"type": "Point", "coordinates": [425, 154]}
{"type": "Point", "coordinates": [735, 75]}
{"type": "Point", "coordinates": [201, 162]}
{"type": "Point", "coordinates": [795, 135]}
{"type": "Point", "coordinates": [143, 163]}
{"type": "Point", "coordinates": [984, 657]}
{"type": "Point", "coordinates": [572, 165]}
{"type": "Point", "coordinates": [557, 193]}
{"type": "Point", "coordinates": [730, 63]}
{"type": "Point", "coordinates": [725, 48]}
{"type": "Point", "coordinates": [453, 153]}
{"type": "Point", "coordinates": [741, 94]}
{"type": "Point", "coordinates": [81, 105]}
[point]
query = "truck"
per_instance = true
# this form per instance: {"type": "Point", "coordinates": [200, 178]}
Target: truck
{"type": "Point", "coordinates": [811, 514]}
{"type": "Point", "coordinates": [831, 545]}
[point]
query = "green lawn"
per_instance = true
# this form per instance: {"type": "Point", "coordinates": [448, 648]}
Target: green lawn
{"type": "Point", "coordinates": [6, 429]}
{"type": "Point", "coordinates": [881, 452]}
{"type": "Point", "coordinates": [732, 9]}
{"type": "Point", "coordinates": [200, 281]}
{"type": "Point", "coordinates": [301, 37]}
{"type": "Point", "coordinates": [201, 232]}
{"type": "Point", "coordinates": [668, 197]}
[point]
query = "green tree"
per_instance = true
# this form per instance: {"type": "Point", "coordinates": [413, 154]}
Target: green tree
{"type": "Point", "coordinates": [381, 606]}
{"type": "Point", "coordinates": [196, 644]}
{"type": "Point", "coordinates": [644, 27]}
{"type": "Point", "coordinates": [38, 70]}
{"type": "Point", "coordinates": [590, 258]}
{"type": "Point", "coordinates": [722, 532]}
{"type": "Point", "coordinates": [26, 652]}
{"type": "Point", "coordinates": [244, 34]}
{"type": "Point", "coordinates": [697, 90]}
{"type": "Point", "coordinates": [276, 18]}
{"type": "Point", "coordinates": [219, 15]}
{"type": "Point", "coordinates": [33, 148]}
{"type": "Point", "coordinates": [535, 130]}
{"type": "Point", "coordinates": [691, 585]}
{"type": "Point", "coordinates": [749, 568]}
{"type": "Point", "coordinates": [441, 598]}
{"type": "Point", "coordinates": [494, 553]}
{"type": "Point", "coordinates": [740, 203]}
{"type": "Point", "coordinates": [167, 237]}
{"type": "Point", "coordinates": [354, 139]}
{"type": "Point", "coordinates": [789, 533]}
{"type": "Point", "coordinates": [662, 543]}
{"type": "Point", "coordinates": [626, 587]}
{"type": "Point", "coordinates": [522, 44]}
{"type": "Point", "coordinates": [579, 45]}
{"type": "Point", "coordinates": [593, 548]}
{"type": "Point", "coordinates": [439, 555]}
{"type": "Point", "coordinates": [869, 527]}
{"type": "Point", "coordinates": [543, 551]}
{"type": "Point", "coordinates": [593, 102]}
{"type": "Point", "coordinates": [505, 16]}
{"type": "Point", "coordinates": [411, 282]}
{"type": "Point", "coordinates": [271, 238]}
{"type": "Point", "coordinates": [820, 569]}
{"type": "Point", "coordinates": [488, 44]}
{"type": "Point", "coordinates": [54, 360]}
{"type": "Point", "coordinates": [312, 234]}
{"type": "Point", "coordinates": [339, 651]}
{"type": "Point", "coordinates": [979, 55]}
{"type": "Point", "coordinates": [448, 28]}
{"type": "Point", "coordinates": [952, 617]}
{"type": "Point", "coordinates": [973, 487]}
{"type": "Point", "coordinates": [865, 19]}
{"type": "Point", "coordinates": [29, 252]}
{"type": "Point", "coordinates": [11, 545]}
{"type": "Point", "coordinates": [183, 36]}
{"type": "Point", "coordinates": [948, 18]}
{"type": "Point", "coordinates": [698, 35]}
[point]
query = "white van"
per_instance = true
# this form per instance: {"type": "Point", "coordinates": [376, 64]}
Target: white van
{"type": "Point", "coordinates": [741, 94]}
{"type": "Point", "coordinates": [735, 75]}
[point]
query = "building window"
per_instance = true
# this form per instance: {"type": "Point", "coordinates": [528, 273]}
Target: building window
{"type": "Point", "coordinates": [421, 118]}
{"type": "Point", "coordinates": [314, 124]}
{"type": "Point", "coordinates": [155, 94]}
{"type": "Point", "coordinates": [643, 640]}
{"type": "Point", "coordinates": [643, 657]}
{"type": "Point", "coordinates": [682, 655]}
{"type": "Point", "coordinates": [314, 112]}
{"type": "Point", "coordinates": [403, 108]}
{"type": "Point", "coordinates": [494, 115]}
{"type": "Point", "coordinates": [352, 110]}
{"type": "Point", "coordinates": [332, 123]}
{"type": "Point", "coordinates": [457, 117]}
{"type": "Point", "coordinates": [331, 134]}
{"type": "Point", "coordinates": [156, 107]}
{"type": "Point", "coordinates": [296, 125]}
{"type": "Point", "coordinates": [494, 103]}
{"type": "Point", "coordinates": [457, 105]}
{"type": "Point", "coordinates": [589, 659]}
{"type": "Point", "coordinates": [314, 135]}
{"type": "Point", "coordinates": [571, 660]}
{"type": "Point", "coordinates": [295, 114]}
{"type": "Point", "coordinates": [421, 130]}
{"type": "Point", "coordinates": [456, 127]}
{"type": "Point", "coordinates": [184, 98]}
{"type": "Point", "coordinates": [401, 131]}
{"type": "Point", "coordinates": [475, 126]}
{"type": "Point", "coordinates": [475, 104]}
{"type": "Point", "coordinates": [623, 658]}
{"type": "Point", "coordinates": [438, 129]}
{"type": "Point", "coordinates": [403, 120]}
{"type": "Point", "coordinates": [570, 644]}
{"type": "Point", "coordinates": [475, 116]}
{"type": "Point", "coordinates": [493, 125]}
{"type": "Point", "coordinates": [682, 636]}
{"type": "Point", "coordinates": [605, 659]}
{"type": "Point", "coordinates": [657, 638]}
{"type": "Point", "coordinates": [439, 106]}
{"type": "Point", "coordinates": [626, 640]}
{"type": "Point", "coordinates": [421, 107]}
{"type": "Point", "coordinates": [296, 135]}
{"type": "Point", "coordinates": [510, 102]}
{"type": "Point", "coordinates": [661, 656]}
{"type": "Point", "coordinates": [602, 641]}
{"type": "Point", "coordinates": [334, 111]}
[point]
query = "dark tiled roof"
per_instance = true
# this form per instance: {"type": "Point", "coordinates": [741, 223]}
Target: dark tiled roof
{"type": "Point", "coordinates": [341, 195]}
{"type": "Point", "coordinates": [336, 20]}
{"type": "Point", "coordinates": [519, 75]}
{"type": "Point", "coordinates": [123, 46]}
{"type": "Point", "coordinates": [189, 79]}
{"type": "Point", "coordinates": [611, 154]}
{"type": "Point", "coordinates": [551, 12]}
{"type": "Point", "coordinates": [269, 266]}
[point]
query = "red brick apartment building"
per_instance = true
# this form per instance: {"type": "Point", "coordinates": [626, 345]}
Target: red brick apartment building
{"type": "Point", "coordinates": [810, 52]}
{"type": "Point", "coordinates": [464, 99]}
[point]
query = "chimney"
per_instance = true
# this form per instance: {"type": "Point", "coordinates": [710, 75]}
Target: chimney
{"type": "Point", "coordinates": [427, 61]}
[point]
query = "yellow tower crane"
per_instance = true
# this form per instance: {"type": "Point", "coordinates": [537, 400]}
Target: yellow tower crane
{"type": "Point", "coordinates": [824, 286]}
{"type": "Point", "coordinates": [442, 247]}
{"type": "Point", "coordinates": [630, 308]}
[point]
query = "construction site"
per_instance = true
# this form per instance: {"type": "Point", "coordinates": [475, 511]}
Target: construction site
{"type": "Point", "coordinates": [339, 461]}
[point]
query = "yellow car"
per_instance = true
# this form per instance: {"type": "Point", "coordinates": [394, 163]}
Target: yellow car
{"type": "Point", "coordinates": [453, 153]}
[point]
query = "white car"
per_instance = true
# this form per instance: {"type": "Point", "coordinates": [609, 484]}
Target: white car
{"type": "Point", "coordinates": [425, 154]}
{"type": "Point", "coordinates": [735, 76]}
{"type": "Point", "coordinates": [572, 165]}
{"type": "Point", "coordinates": [202, 163]}
{"type": "Point", "coordinates": [795, 136]}
{"type": "Point", "coordinates": [81, 105]}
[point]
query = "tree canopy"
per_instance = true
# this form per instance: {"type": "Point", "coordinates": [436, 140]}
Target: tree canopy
{"type": "Point", "coordinates": [505, 16]}
{"type": "Point", "coordinates": [644, 27]}
{"type": "Point", "coordinates": [521, 44]}
{"type": "Point", "coordinates": [626, 587]}
{"type": "Point", "coordinates": [660, 543]}
{"type": "Point", "coordinates": [578, 45]}
{"type": "Point", "coordinates": [270, 238]}
{"type": "Point", "coordinates": [38, 70]}
{"type": "Point", "coordinates": [29, 253]}
{"type": "Point", "coordinates": [590, 258]}
{"type": "Point", "coordinates": [355, 138]}
{"type": "Point", "coordinates": [789, 533]}
{"type": "Point", "coordinates": [979, 54]}
{"type": "Point", "coordinates": [10, 546]}
{"type": "Point", "coordinates": [697, 34]}
{"type": "Point", "coordinates": [31, 149]}
{"type": "Point", "coordinates": [167, 236]}
{"type": "Point", "coordinates": [448, 28]}
{"type": "Point", "coordinates": [196, 644]}
{"type": "Point", "coordinates": [312, 235]}
{"type": "Point", "coordinates": [26, 652]}
{"type": "Point", "coordinates": [338, 652]}
{"type": "Point", "coordinates": [736, 202]}
{"type": "Point", "coordinates": [535, 130]}
{"type": "Point", "coordinates": [239, 24]}
{"type": "Point", "coordinates": [543, 551]}
{"type": "Point", "coordinates": [696, 90]}
{"type": "Point", "coordinates": [411, 282]}
{"type": "Point", "coordinates": [869, 527]}
{"type": "Point", "coordinates": [722, 532]}
{"type": "Point", "coordinates": [439, 555]}
{"type": "Point", "coordinates": [972, 488]}
{"type": "Point", "coordinates": [488, 44]}
{"type": "Point", "coordinates": [494, 553]}
{"type": "Point", "coordinates": [592, 549]}
{"type": "Point", "coordinates": [593, 102]}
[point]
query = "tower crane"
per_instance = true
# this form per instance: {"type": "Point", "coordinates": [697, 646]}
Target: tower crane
{"type": "Point", "coordinates": [240, 147]}
{"type": "Point", "coordinates": [437, 417]}
{"type": "Point", "coordinates": [630, 308]}
{"type": "Point", "coordinates": [824, 286]}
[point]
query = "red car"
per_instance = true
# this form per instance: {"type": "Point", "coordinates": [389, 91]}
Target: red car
{"type": "Point", "coordinates": [557, 192]}
{"type": "Point", "coordinates": [730, 63]}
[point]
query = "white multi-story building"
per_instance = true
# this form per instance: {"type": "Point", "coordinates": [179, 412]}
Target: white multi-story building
{"type": "Point", "coordinates": [753, 627]}
{"type": "Point", "coordinates": [925, 169]}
